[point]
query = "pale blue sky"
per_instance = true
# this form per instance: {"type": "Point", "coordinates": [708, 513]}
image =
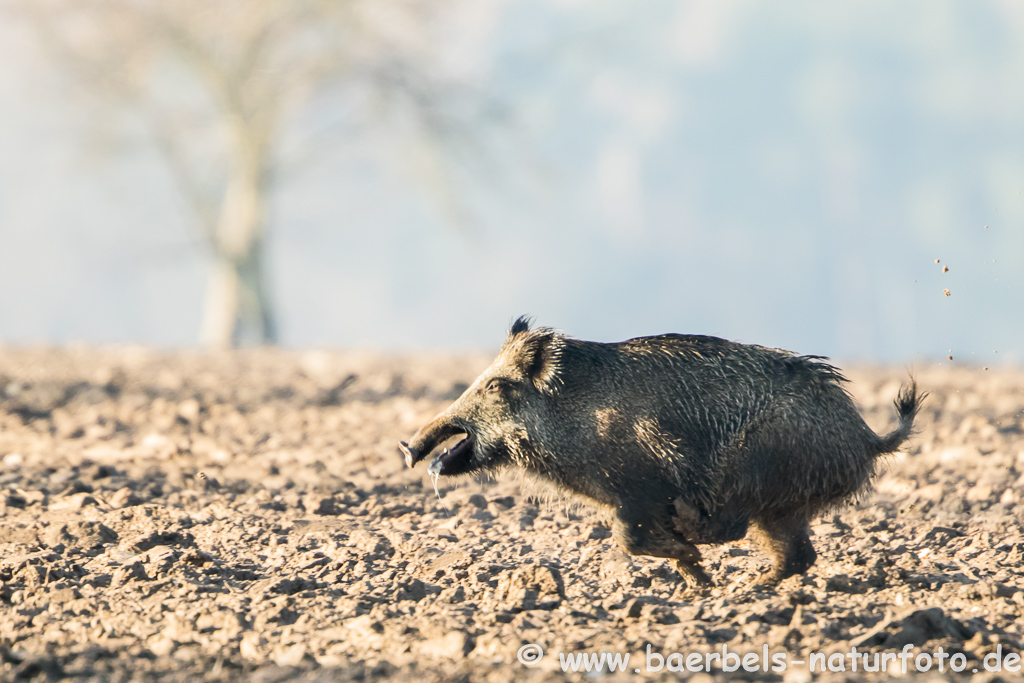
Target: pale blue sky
{"type": "Point", "coordinates": [783, 174]}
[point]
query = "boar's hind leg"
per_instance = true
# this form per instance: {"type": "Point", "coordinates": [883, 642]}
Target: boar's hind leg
{"type": "Point", "coordinates": [648, 535]}
{"type": "Point", "coordinates": [787, 540]}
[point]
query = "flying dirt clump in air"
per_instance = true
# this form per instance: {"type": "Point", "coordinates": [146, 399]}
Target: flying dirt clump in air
{"type": "Point", "coordinates": [680, 439]}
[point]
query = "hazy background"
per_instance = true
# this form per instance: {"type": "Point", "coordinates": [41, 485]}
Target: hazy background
{"type": "Point", "coordinates": [783, 174]}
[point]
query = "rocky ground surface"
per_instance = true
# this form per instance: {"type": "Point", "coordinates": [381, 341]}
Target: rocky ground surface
{"type": "Point", "coordinates": [247, 516]}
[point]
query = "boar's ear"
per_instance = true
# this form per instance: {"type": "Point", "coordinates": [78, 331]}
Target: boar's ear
{"type": "Point", "coordinates": [522, 324]}
{"type": "Point", "coordinates": [540, 356]}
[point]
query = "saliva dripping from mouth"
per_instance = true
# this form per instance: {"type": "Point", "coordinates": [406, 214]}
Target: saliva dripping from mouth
{"type": "Point", "coordinates": [434, 476]}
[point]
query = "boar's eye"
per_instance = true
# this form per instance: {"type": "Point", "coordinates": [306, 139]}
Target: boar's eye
{"type": "Point", "coordinates": [496, 385]}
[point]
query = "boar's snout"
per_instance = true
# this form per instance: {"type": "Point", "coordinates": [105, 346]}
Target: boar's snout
{"type": "Point", "coordinates": [428, 438]}
{"type": "Point", "coordinates": [412, 455]}
{"type": "Point", "coordinates": [459, 459]}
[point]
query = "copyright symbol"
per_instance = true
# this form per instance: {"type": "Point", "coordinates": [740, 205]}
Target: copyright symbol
{"type": "Point", "coordinates": [530, 654]}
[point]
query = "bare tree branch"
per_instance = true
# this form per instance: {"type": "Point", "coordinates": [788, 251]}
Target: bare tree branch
{"type": "Point", "coordinates": [218, 82]}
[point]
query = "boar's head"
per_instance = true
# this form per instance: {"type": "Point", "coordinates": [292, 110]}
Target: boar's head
{"type": "Point", "coordinates": [502, 409]}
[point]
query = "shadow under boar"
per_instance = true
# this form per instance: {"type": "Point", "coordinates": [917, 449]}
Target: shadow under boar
{"type": "Point", "coordinates": [684, 439]}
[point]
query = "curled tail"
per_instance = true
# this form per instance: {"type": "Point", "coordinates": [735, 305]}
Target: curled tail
{"type": "Point", "coordinates": [907, 404]}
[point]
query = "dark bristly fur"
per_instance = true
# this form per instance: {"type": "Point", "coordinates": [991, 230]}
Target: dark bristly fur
{"type": "Point", "coordinates": [685, 439]}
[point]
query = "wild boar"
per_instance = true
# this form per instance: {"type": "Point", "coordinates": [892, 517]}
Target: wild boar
{"type": "Point", "coordinates": [683, 439]}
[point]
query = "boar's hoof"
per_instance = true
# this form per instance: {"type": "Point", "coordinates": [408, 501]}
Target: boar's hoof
{"type": "Point", "coordinates": [694, 574]}
{"type": "Point", "coordinates": [412, 456]}
{"type": "Point", "coordinates": [456, 460]}
{"type": "Point", "coordinates": [773, 577]}
{"type": "Point", "coordinates": [766, 580]}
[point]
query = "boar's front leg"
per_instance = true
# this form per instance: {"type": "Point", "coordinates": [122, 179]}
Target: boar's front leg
{"type": "Point", "coordinates": [642, 532]}
{"type": "Point", "coordinates": [694, 574]}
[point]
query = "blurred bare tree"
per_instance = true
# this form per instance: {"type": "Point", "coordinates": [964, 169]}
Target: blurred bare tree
{"type": "Point", "coordinates": [218, 82]}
